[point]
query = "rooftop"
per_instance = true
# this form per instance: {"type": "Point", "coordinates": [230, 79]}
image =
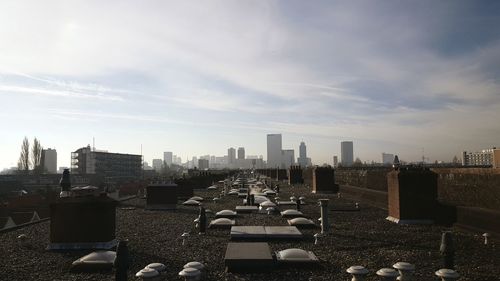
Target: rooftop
{"type": "Point", "coordinates": [356, 238]}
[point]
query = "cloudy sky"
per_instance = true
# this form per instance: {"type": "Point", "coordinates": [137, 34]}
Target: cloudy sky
{"type": "Point", "coordinates": [197, 77]}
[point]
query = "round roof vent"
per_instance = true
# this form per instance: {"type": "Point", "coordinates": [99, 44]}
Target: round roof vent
{"type": "Point", "coordinates": [147, 273]}
{"type": "Point", "coordinates": [160, 267]}
{"type": "Point", "coordinates": [190, 272]}
{"type": "Point", "coordinates": [195, 264]}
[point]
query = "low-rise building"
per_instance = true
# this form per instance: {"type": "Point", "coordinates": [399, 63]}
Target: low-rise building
{"type": "Point", "coordinates": [485, 157]}
{"type": "Point", "coordinates": [111, 165]}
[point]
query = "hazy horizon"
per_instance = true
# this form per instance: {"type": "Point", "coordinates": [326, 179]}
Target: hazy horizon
{"type": "Point", "coordinates": [196, 78]}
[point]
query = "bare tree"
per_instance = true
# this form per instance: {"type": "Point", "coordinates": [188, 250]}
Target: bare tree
{"type": "Point", "coordinates": [23, 165]}
{"type": "Point", "coordinates": [36, 157]}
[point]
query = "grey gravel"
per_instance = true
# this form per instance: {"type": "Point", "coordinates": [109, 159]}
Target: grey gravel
{"type": "Point", "coordinates": [357, 238]}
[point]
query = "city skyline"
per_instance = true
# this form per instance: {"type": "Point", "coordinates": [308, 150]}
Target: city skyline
{"type": "Point", "coordinates": [197, 78]}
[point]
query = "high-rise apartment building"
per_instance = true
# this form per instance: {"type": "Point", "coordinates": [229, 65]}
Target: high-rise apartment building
{"type": "Point", "coordinates": [274, 147]}
{"type": "Point", "coordinates": [168, 157]}
{"type": "Point", "coordinates": [241, 153]}
{"type": "Point", "coordinates": [49, 160]}
{"type": "Point", "coordinates": [346, 153]}
{"type": "Point", "coordinates": [335, 161]}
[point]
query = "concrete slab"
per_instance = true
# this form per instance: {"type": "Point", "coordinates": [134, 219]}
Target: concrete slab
{"type": "Point", "coordinates": [283, 232]}
{"type": "Point", "coordinates": [248, 232]}
{"type": "Point", "coordinates": [248, 257]}
{"type": "Point", "coordinates": [246, 209]}
{"type": "Point", "coordinates": [265, 232]}
{"type": "Point", "coordinates": [287, 203]}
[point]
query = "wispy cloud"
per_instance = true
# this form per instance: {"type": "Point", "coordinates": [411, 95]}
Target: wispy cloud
{"type": "Point", "coordinates": [6, 89]}
{"type": "Point", "coordinates": [373, 71]}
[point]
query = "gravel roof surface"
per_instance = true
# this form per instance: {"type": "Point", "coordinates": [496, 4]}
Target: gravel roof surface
{"type": "Point", "coordinates": [356, 238]}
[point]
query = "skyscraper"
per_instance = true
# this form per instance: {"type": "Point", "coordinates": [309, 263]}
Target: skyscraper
{"type": "Point", "coordinates": [346, 153]}
{"type": "Point", "coordinates": [231, 156]}
{"type": "Point", "coordinates": [274, 147]}
{"type": "Point", "coordinates": [288, 158]}
{"type": "Point", "coordinates": [303, 161]}
{"type": "Point", "coordinates": [302, 150]}
{"type": "Point", "coordinates": [167, 157]}
{"type": "Point", "coordinates": [241, 153]}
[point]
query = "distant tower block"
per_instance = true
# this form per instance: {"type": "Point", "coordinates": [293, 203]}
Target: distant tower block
{"type": "Point", "coordinates": [323, 180]}
{"type": "Point", "coordinates": [161, 196]}
{"type": "Point", "coordinates": [412, 195]}
{"type": "Point", "coordinates": [295, 175]}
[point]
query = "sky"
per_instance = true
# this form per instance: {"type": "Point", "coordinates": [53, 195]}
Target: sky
{"type": "Point", "coordinates": [411, 78]}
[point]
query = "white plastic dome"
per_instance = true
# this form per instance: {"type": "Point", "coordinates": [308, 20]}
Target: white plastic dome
{"type": "Point", "coordinates": [301, 221]}
{"type": "Point", "coordinates": [291, 212]}
{"type": "Point", "coordinates": [260, 199]}
{"type": "Point", "coordinates": [266, 204]}
{"type": "Point", "coordinates": [191, 203]}
{"type": "Point", "coordinates": [222, 221]}
{"type": "Point", "coordinates": [226, 213]}
{"type": "Point", "coordinates": [296, 255]}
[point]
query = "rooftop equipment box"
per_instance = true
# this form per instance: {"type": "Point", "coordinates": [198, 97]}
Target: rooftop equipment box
{"type": "Point", "coordinates": [295, 175]}
{"type": "Point", "coordinates": [412, 195]}
{"type": "Point", "coordinates": [82, 223]}
{"type": "Point", "coordinates": [161, 196]}
{"type": "Point", "coordinates": [323, 180]}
